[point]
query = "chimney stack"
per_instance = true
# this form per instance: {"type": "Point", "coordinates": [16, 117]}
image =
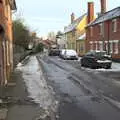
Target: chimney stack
{"type": "Point", "coordinates": [90, 12]}
{"type": "Point", "coordinates": [103, 6]}
{"type": "Point", "coordinates": [72, 17]}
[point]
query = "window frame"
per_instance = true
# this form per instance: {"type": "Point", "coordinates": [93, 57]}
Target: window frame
{"type": "Point", "coordinates": [114, 25]}
{"type": "Point", "coordinates": [101, 28]}
{"type": "Point", "coordinates": [91, 31]}
{"type": "Point", "coordinates": [116, 43]}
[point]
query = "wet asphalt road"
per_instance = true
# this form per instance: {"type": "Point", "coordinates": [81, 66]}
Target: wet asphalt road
{"type": "Point", "coordinates": [84, 94]}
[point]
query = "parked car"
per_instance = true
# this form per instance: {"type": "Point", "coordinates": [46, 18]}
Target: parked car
{"type": "Point", "coordinates": [62, 53]}
{"type": "Point", "coordinates": [68, 54]}
{"type": "Point", "coordinates": [96, 59]}
{"type": "Point", "coordinates": [54, 52]}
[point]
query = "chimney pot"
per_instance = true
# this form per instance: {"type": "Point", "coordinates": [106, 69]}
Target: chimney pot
{"type": "Point", "coordinates": [72, 17]}
{"type": "Point", "coordinates": [90, 12]}
{"type": "Point", "coordinates": [103, 6]}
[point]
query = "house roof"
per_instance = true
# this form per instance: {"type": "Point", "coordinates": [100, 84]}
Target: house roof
{"type": "Point", "coordinates": [72, 26]}
{"type": "Point", "coordinates": [106, 16]}
{"type": "Point", "coordinates": [48, 42]}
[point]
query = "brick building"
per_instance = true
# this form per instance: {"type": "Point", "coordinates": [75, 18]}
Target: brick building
{"type": "Point", "coordinates": [6, 48]}
{"type": "Point", "coordinates": [104, 32]}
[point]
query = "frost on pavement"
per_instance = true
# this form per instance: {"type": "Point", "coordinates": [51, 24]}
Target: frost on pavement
{"type": "Point", "coordinates": [37, 86]}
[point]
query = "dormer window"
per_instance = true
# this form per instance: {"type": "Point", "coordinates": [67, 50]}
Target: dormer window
{"type": "Point", "coordinates": [114, 25]}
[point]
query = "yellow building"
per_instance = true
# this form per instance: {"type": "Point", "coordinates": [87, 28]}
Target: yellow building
{"type": "Point", "coordinates": [80, 44]}
{"type": "Point", "coordinates": [75, 33]}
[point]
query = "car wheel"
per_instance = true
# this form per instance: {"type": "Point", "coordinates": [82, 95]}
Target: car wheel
{"type": "Point", "coordinates": [82, 65]}
{"type": "Point", "coordinates": [94, 67]}
{"type": "Point", "coordinates": [64, 58]}
{"type": "Point", "coordinates": [107, 67]}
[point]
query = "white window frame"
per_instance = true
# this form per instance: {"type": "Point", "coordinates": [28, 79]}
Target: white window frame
{"type": "Point", "coordinates": [111, 47]}
{"type": "Point", "coordinates": [96, 45]}
{"type": "Point", "coordinates": [91, 31]}
{"type": "Point", "coordinates": [116, 46]}
{"type": "Point", "coordinates": [101, 28]}
{"type": "Point", "coordinates": [114, 25]}
{"type": "Point", "coordinates": [91, 45]}
{"type": "Point", "coordinates": [101, 45]}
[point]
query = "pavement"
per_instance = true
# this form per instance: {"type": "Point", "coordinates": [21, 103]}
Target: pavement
{"type": "Point", "coordinates": [16, 105]}
{"type": "Point", "coordinates": [15, 100]}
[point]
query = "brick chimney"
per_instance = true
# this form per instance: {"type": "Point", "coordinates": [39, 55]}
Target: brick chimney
{"type": "Point", "coordinates": [90, 12]}
{"type": "Point", "coordinates": [72, 17]}
{"type": "Point", "coordinates": [103, 6]}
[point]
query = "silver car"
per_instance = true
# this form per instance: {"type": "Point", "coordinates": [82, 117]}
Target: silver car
{"type": "Point", "coordinates": [68, 54]}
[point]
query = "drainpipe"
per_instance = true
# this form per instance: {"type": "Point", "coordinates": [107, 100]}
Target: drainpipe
{"type": "Point", "coordinates": [108, 38]}
{"type": "Point", "coordinates": [103, 35]}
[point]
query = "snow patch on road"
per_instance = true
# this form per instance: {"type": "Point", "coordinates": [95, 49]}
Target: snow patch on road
{"type": "Point", "coordinates": [37, 85]}
{"type": "Point", "coordinates": [115, 68]}
{"type": "Point", "coordinates": [113, 102]}
{"type": "Point", "coordinates": [19, 64]}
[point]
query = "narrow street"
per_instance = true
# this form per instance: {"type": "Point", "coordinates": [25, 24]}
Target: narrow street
{"type": "Point", "coordinates": [59, 60]}
{"type": "Point", "coordinates": [83, 93]}
{"type": "Point", "coordinates": [49, 88]}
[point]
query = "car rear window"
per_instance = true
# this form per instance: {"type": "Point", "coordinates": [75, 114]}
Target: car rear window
{"type": "Point", "coordinates": [100, 53]}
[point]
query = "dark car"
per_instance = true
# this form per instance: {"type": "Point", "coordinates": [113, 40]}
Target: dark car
{"type": "Point", "coordinates": [96, 59]}
{"type": "Point", "coordinates": [54, 52]}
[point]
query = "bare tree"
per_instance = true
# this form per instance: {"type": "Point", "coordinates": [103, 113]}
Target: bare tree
{"type": "Point", "coordinates": [52, 36]}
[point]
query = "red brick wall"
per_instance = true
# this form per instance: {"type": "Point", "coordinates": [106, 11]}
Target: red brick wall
{"type": "Point", "coordinates": [109, 34]}
{"type": "Point", "coordinates": [6, 23]}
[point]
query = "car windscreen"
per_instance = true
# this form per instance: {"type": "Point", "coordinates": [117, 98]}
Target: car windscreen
{"type": "Point", "coordinates": [70, 52]}
{"type": "Point", "coordinates": [100, 54]}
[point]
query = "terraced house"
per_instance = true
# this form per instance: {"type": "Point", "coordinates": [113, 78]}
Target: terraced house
{"type": "Point", "coordinates": [6, 43]}
{"type": "Point", "coordinates": [75, 33]}
{"type": "Point", "coordinates": [104, 32]}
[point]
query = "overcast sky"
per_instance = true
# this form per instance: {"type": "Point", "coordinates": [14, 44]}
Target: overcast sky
{"type": "Point", "coordinates": [52, 15]}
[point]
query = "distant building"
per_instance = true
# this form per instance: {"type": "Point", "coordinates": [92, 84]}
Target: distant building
{"type": "Point", "coordinates": [60, 41]}
{"type": "Point", "coordinates": [48, 44]}
{"type": "Point", "coordinates": [80, 42]}
{"type": "Point", "coordinates": [104, 32]}
{"type": "Point", "coordinates": [6, 39]}
{"type": "Point", "coordinates": [75, 32]}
